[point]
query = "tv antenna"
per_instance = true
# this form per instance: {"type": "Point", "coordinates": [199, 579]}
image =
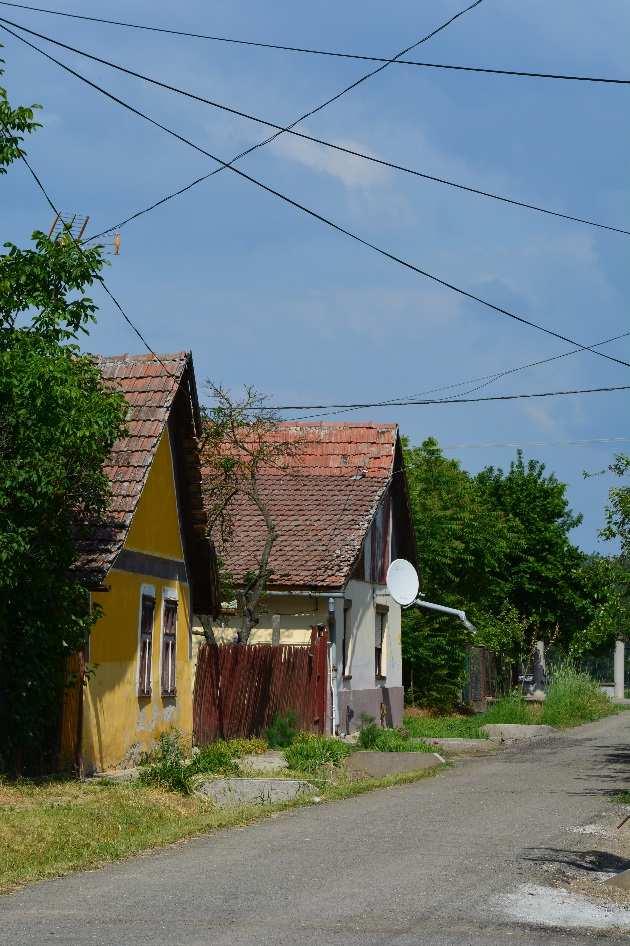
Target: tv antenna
{"type": "Point", "coordinates": [73, 225]}
{"type": "Point", "coordinates": [403, 585]}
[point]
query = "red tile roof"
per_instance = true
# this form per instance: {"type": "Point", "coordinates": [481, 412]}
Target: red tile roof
{"type": "Point", "coordinates": [149, 386]}
{"type": "Point", "coordinates": [322, 503]}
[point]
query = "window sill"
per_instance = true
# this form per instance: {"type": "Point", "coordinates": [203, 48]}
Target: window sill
{"type": "Point", "coordinates": [169, 694]}
{"type": "Point", "coordinates": [347, 676]}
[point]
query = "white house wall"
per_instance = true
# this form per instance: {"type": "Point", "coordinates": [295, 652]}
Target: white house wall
{"type": "Point", "coordinates": [359, 690]}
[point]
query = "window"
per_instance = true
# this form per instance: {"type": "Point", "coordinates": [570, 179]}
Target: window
{"type": "Point", "coordinates": [146, 638]}
{"type": "Point", "coordinates": [345, 640]}
{"type": "Point", "coordinates": [169, 628]}
{"type": "Point", "coordinates": [380, 663]}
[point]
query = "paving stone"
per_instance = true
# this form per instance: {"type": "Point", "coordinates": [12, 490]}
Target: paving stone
{"type": "Point", "coordinates": [379, 764]}
{"type": "Point", "coordinates": [251, 791]}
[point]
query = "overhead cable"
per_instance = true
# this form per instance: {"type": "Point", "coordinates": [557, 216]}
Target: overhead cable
{"type": "Point", "coordinates": [298, 134]}
{"type": "Point", "coordinates": [450, 400]}
{"type": "Point", "coordinates": [317, 216]}
{"type": "Point", "coordinates": [320, 52]}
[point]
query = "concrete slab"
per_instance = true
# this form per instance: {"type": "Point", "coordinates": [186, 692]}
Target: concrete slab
{"type": "Point", "coordinates": [267, 762]}
{"type": "Point", "coordinates": [621, 881]}
{"type": "Point", "coordinates": [379, 764]}
{"type": "Point", "coordinates": [228, 792]}
{"type": "Point", "coordinates": [515, 732]}
{"type": "Point", "coordinates": [460, 746]}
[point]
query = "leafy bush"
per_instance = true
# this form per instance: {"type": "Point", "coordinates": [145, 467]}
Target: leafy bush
{"type": "Point", "coordinates": [282, 731]}
{"type": "Point", "coordinates": [373, 737]}
{"type": "Point", "coordinates": [573, 697]}
{"type": "Point", "coordinates": [308, 752]}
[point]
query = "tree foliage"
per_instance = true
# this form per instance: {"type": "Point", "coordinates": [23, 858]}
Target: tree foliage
{"type": "Point", "coordinates": [57, 426]}
{"type": "Point", "coordinates": [498, 546]}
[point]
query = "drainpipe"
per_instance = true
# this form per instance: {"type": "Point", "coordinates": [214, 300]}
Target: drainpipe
{"type": "Point", "coordinates": [461, 615]}
{"type": "Point", "coordinates": [332, 661]}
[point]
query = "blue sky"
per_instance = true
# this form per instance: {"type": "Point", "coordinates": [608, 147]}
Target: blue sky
{"type": "Point", "coordinates": [266, 296]}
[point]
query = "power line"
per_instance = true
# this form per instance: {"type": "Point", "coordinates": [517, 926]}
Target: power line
{"type": "Point", "coordinates": [40, 185]}
{"type": "Point", "coordinates": [320, 141]}
{"type": "Point", "coordinates": [450, 400]}
{"type": "Point", "coordinates": [317, 216]}
{"type": "Point", "coordinates": [301, 118]}
{"type": "Point", "coordinates": [537, 443]}
{"type": "Point", "coordinates": [320, 52]}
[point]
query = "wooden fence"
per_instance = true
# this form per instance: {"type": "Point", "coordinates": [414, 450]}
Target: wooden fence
{"type": "Point", "coordinates": [71, 717]}
{"type": "Point", "coordinates": [240, 688]}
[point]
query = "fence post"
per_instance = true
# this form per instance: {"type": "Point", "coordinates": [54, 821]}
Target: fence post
{"type": "Point", "coordinates": [620, 670]}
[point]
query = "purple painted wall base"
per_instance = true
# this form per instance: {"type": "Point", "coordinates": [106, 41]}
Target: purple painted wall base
{"type": "Point", "coordinates": [353, 703]}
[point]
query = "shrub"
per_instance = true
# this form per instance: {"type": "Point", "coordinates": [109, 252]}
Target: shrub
{"type": "Point", "coordinates": [573, 697]}
{"type": "Point", "coordinates": [309, 752]}
{"type": "Point", "coordinates": [282, 731]}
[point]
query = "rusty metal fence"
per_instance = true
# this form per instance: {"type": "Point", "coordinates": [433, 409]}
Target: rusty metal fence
{"type": "Point", "coordinates": [240, 689]}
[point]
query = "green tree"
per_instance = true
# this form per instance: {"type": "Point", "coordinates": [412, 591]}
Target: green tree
{"type": "Point", "coordinates": [498, 545]}
{"type": "Point", "coordinates": [58, 424]}
{"type": "Point", "coordinates": [541, 561]}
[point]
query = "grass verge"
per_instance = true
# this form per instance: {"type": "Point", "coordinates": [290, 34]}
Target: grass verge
{"type": "Point", "coordinates": [51, 829]}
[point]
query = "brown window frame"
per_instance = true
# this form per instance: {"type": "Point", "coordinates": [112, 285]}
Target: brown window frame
{"type": "Point", "coordinates": [169, 647]}
{"type": "Point", "coordinates": [145, 646]}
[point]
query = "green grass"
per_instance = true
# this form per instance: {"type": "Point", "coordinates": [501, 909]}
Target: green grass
{"type": "Point", "coordinates": [309, 753]}
{"type": "Point", "coordinates": [572, 698]}
{"type": "Point", "coordinates": [372, 737]}
{"type": "Point", "coordinates": [169, 767]}
{"type": "Point", "coordinates": [51, 829]}
{"type": "Point", "coordinates": [624, 798]}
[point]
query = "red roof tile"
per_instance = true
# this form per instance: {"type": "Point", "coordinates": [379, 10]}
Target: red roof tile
{"type": "Point", "coordinates": [322, 501]}
{"type": "Point", "coordinates": [149, 386]}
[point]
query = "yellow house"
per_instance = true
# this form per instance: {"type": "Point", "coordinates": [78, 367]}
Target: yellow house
{"type": "Point", "coordinates": [150, 567]}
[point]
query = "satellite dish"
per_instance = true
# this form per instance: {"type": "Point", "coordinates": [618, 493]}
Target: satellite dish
{"type": "Point", "coordinates": [402, 582]}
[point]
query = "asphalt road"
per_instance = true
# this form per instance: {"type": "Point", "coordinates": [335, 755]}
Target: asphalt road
{"type": "Point", "coordinates": [416, 865]}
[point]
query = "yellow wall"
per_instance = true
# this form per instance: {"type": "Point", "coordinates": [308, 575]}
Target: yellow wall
{"type": "Point", "coordinates": [155, 525]}
{"type": "Point", "coordinates": [118, 724]}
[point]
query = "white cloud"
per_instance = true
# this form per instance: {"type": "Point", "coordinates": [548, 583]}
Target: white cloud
{"type": "Point", "coordinates": [352, 172]}
{"type": "Point", "coordinates": [542, 418]}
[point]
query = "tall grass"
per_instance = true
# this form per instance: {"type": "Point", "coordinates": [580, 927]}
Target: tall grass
{"type": "Point", "coordinates": [573, 697]}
